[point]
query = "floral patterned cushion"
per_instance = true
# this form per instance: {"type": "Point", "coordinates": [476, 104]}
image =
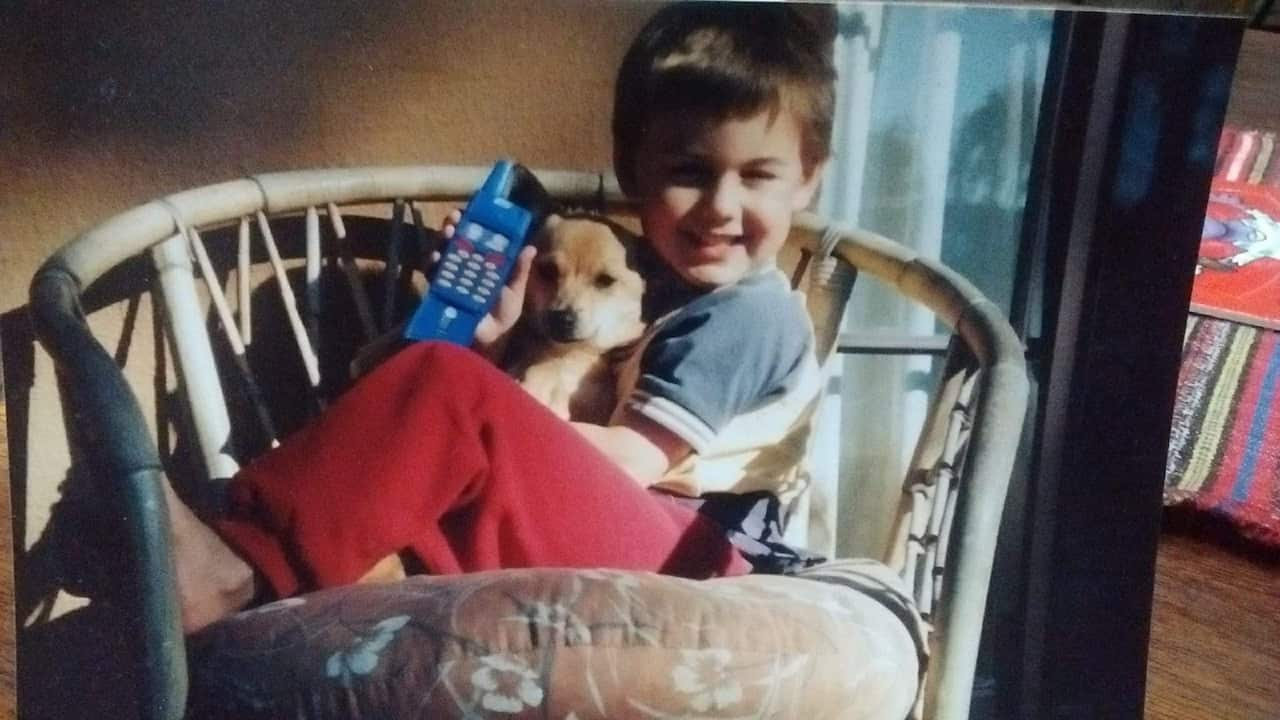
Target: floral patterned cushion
{"type": "Point", "coordinates": [840, 640]}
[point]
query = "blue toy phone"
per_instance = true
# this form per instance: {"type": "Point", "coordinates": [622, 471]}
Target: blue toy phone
{"type": "Point", "coordinates": [480, 256]}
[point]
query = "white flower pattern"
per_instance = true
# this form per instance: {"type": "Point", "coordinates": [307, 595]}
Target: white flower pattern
{"type": "Point", "coordinates": [506, 684]}
{"type": "Point", "coordinates": [705, 676]}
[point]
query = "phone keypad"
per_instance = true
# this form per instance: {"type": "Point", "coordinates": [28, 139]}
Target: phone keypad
{"type": "Point", "coordinates": [472, 268]}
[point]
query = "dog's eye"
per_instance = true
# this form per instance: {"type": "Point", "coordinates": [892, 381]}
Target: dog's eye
{"type": "Point", "coordinates": [605, 281]}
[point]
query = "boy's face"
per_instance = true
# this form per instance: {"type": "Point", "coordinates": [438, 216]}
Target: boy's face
{"type": "Point", "coordinates": [716, 197]}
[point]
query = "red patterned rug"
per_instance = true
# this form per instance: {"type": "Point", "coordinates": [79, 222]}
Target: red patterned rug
{"type": "Point", "coordinates": [1223, 468]}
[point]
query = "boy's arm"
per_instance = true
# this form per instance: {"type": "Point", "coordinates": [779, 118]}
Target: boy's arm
{"type": "Point", "coordinates": [642, 447]}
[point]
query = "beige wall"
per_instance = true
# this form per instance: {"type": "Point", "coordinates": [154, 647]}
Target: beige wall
{"type": "Point", "coordinates": [102, 109]}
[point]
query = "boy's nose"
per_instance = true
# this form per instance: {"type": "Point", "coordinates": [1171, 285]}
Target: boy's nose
{"type": "Point", "coordinates": [724, 199]}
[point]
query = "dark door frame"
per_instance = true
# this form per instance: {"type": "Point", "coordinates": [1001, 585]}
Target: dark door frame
{"type": "Point", "coordinates": [1132, 110]}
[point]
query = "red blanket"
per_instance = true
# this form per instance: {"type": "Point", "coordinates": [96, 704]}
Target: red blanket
{"type": "Point", "coordinates": [439, 454]}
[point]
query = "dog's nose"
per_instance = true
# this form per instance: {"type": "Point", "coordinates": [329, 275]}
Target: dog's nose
{"type": "Point", "coordinates": [562, 325]}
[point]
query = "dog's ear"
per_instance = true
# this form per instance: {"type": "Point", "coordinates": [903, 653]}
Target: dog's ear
{"type": "Point", "coordinates": [630, 244]}
{"type": "Point", "coordinates": [542, 236]}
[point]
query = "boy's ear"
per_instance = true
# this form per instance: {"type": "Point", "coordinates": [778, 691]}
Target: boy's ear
{"type": "Point", "coordinates": [808, 187]}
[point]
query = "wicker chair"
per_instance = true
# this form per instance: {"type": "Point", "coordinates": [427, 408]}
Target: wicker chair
{"type": "Point", "coordinates": [945, 528]}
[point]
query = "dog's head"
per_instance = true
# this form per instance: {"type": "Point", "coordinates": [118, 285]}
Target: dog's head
{"type": "Point", "coordinates": [585, 287]}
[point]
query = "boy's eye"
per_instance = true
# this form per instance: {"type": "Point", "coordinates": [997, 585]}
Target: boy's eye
{"type": "Point", "coordinates": [760, 173]}
{"type": "Point", "coordinates": [605, 281]}
{"type": "Point", "coordinates": [690, 173]}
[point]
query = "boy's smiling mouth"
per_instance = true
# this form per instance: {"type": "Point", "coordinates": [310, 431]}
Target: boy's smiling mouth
{"type": "Point", "coordinates": [711, 242]}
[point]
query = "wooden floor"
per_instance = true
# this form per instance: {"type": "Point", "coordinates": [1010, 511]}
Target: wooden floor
{"type": "Point", "coordinates": [1215, 634]}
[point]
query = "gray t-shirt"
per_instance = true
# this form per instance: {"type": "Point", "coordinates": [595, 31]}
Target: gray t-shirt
{"type": "Point", "coordinates": [732, 372]}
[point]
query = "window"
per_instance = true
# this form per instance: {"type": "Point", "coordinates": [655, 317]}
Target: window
{"type": "Point", "coordinates": [936, 119]}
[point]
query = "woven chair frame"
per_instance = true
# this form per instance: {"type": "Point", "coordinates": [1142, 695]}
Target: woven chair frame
{"type": "Point", "coordinates": [945, 527]}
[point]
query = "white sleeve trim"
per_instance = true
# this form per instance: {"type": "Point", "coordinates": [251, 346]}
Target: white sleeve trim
{"type": "Point", "coordinates": [673, 417]}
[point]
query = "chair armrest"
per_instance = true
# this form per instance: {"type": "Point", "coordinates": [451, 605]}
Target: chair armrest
{"type": "Point", "coordinates": [119, 447]}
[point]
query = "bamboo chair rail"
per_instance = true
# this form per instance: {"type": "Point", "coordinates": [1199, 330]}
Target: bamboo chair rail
{"type": "Point", "coordinates": [953, 495]}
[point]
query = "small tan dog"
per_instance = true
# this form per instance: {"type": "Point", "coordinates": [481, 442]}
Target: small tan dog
{"type": "Point", "coordinates": [582, 308]}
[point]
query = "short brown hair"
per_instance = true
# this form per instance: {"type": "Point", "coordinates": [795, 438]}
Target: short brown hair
{"type": "Point", "coordinates": [720, 60]}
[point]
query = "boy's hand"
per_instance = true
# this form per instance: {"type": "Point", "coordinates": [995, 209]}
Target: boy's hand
{"type": "Point", "coordinates": [510, 303]}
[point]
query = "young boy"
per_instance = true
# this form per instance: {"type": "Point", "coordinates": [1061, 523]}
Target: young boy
{"type": "Point", "coordinates": [722, 122]}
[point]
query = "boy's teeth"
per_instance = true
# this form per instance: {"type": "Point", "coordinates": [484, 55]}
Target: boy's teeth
{"type": "Point", "coordinates": [712, 239]}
